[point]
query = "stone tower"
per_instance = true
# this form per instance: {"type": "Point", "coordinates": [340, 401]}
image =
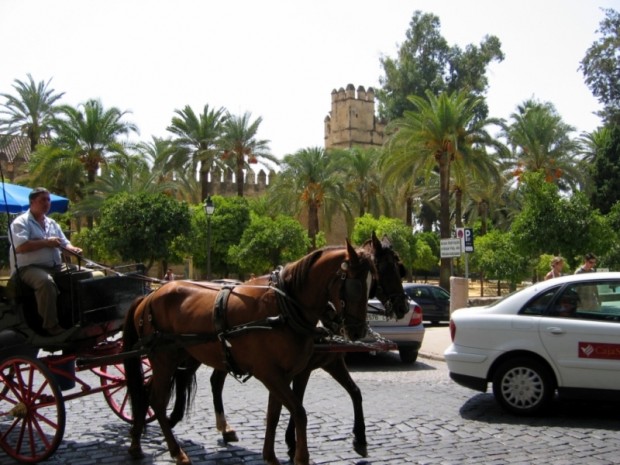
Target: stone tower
{"type": "Point", "coordinates": [352, 121]}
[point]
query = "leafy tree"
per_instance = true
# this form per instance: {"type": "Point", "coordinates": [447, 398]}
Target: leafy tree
{"type": "Point", "coordinates": [242, 148]}
{"type": "Point", "coordinates": [442, 132]}
{"type": "Point", "coordinates": [310, 181]}
{"type": "Point", "coordinates": [497, 258]}
{"type": "Point", "coordinates": [601, 66]}
{"type": "Point", "coordinates": [230, 219]}
{"type": "Point", "coordinates": [606, 168]}
{"type": "Point", "coordinates": [269, 242]}
{"type": "Point", "coordinates": [427, 253]}
{"type": "Point", "coordinates": [541, 141]}
{"type": "Point", "coordinates": [86, 138]}
{"type": "Point", "coordinates": [362, 178]}
{"type": "Point", "coordinates": [31, 111]}
{"type": "Point", "coordinates": [610, 257]}
{"type": "Point", "coordinates": [397, 232]}
{"type": "Point", "coordinates": [426, 63]}
{"type": "Point", "coordinates": [550, 223]}
{"type": "Point", "coordinates": [142, 227]}
{"type": "Point", "coordinates": [197, 142]}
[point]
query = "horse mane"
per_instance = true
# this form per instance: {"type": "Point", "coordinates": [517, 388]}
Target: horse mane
{"type": "Point", "coordinates": [295, 274]}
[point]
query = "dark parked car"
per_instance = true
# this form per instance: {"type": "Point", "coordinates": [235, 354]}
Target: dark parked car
{"type": "Point", "coordinates": [434, 300]}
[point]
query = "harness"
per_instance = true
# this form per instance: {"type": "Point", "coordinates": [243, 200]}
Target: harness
{"type": "Point", "coordinates": [290, 313]}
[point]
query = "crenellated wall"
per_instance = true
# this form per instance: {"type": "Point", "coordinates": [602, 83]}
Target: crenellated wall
{"type": "Point", "coordinates": [223, 182]}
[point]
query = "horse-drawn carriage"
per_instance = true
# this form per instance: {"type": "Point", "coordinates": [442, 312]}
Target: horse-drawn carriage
{"type": "Point", "coordinates": [39, 373]}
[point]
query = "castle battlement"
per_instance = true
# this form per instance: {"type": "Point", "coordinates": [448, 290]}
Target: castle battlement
{"type": "Point", "coordinates": [222, 182]}
{"type": "Point", "coordinates": [352, 121]}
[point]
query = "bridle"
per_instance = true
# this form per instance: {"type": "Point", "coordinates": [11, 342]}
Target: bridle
{"type": "Point", "coordinates": [335, 318]}
{"type": "Point", "coordinates": [350, 292]}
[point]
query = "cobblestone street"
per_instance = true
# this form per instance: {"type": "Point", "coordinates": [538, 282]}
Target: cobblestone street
{"type": "Point", "coordinates": [414, 415]}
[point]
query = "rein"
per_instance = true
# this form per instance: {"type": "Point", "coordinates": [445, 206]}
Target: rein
{"type": "Point", "coordinates": [290, 309]}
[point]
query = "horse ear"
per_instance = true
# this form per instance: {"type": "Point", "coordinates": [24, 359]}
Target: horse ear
{"type": "Point", "coordinates": [376, 243]}
{"type": "Point", "coordinates": [352, 253]}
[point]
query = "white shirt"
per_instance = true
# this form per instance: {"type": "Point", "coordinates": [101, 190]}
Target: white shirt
{"type": "Point", "coordinates": [25, 228]}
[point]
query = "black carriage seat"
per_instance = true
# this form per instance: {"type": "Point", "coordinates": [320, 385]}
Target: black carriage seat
{"type": "Point", "coordinates": [22, 297]}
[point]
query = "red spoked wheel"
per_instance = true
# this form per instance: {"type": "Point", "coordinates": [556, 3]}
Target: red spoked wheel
{"type": "Point", "coordinates": [115, 393]}
{"type": "Point", "coordinates": [32, 410]}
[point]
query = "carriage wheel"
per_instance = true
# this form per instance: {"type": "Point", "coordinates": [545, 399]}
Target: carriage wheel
{"type": "Point", "coordinates": [116, 394]}
{"type": "Point", "coordinates": [32, 410]}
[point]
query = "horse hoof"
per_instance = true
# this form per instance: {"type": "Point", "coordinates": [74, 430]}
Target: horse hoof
{"type": "Point", "coordinates": [136, 452]}
{"type": "Point", "coordinates": [230, 436]}
{"type": "Point", "coordinates": [360, 448]}
{"type": "Point", "coordinates": [183, 459]}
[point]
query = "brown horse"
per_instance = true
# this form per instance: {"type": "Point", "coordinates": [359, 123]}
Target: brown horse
{"type": "Point", "coordinates": [265, 331]}
{"type": "Point", "coordinates": [389, 290]}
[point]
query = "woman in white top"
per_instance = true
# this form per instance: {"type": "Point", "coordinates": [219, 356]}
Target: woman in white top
{"type": "Point", "coordinates": [557, 264]}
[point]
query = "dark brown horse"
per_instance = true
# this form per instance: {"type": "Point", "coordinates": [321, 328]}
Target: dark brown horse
{"type": "Point", "coordinates": [265, 331]}
{"type": "Point", "coordinates": [388, 289]}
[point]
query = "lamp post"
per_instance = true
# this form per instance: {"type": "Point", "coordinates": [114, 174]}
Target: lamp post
{"type": "Point", "coordinates": [209, 209]}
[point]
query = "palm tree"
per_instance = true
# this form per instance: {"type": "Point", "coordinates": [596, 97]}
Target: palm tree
{"type": "Point", "coordinates": [540, 141]}
{"type": "Point", "coordinates": [363, 179]}
{"type": "Point", "coordinates": [311, 180]}
{"type": "Point", "coordinates": [31, 111]}
{"type": "Point", "coordinates": [242, 148]}
{"type": "Point", "coordinates": [442, 131]}
{"type": "Point", "coordinates": [197, 142]}
{"type": "Point", "coordinates": [86, 138]}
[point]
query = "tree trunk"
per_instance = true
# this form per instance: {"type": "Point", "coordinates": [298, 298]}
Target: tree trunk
{"type": "Point", "coordinates": [240, 179]}
{"type": "Point", "coordinates": [313, 223]}
{"type": "Point", "coordinates": [444, 215]}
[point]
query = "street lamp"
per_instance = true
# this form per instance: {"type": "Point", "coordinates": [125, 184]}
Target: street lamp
{"type": "Point", "coordinates": [209, 209]}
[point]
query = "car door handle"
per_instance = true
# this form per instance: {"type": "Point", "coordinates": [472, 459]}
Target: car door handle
{"type": "Point", "coordinates": [555, 330]}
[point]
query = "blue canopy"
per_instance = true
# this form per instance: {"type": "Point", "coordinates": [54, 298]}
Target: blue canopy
{"type": "Point", "coordinates": [14, 199]}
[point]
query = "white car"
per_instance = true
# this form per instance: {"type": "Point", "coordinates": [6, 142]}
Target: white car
{"type": "Point", "coordinates": [558, 335]}
{"type": "Point", "coordinates": [407, 333]}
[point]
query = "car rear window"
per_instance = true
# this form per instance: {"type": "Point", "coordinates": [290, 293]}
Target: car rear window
{"type": "Point", "coordinates": [539, 304]}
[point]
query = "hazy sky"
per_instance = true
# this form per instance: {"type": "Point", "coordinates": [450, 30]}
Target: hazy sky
{"type": "Point", "coordinates": [281, 59]}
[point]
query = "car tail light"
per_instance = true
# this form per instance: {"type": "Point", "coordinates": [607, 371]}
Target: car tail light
{"type": "Point", "coordinates": [416, 316]}
{"type": "Point", "coordinates": [452, 330]}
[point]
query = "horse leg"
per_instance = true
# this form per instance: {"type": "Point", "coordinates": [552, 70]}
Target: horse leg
{"type": "Point", "coordinates": [273, 417]}
{"type": "Point", "coordinates": [300, 382]}
{"type": "Point", "coordinates": [338, 370]}
{"type": "Point", "coordinates": [281, 394]}
{"type": "Point", "coordinates": [161, 384]}
{"type": "Point", "coordinates": [217, 388]}
{"type": "Point", "coordinates": [139, 405]}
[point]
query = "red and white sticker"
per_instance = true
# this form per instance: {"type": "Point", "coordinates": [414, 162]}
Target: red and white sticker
{"type": "Point", "coordinates": [599, 350]}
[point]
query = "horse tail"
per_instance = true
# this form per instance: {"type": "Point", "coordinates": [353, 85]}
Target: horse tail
{"type": "Point", "coordinates": [184, 384]}
{"type": "Point", "coordinates": [134, 375]}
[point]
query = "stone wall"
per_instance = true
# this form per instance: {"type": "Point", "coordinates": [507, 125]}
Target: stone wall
{"type": "Point", "coordinates": [223, 183]}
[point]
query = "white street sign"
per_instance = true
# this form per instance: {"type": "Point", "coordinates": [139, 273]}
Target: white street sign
{"type": "Point", "coordinates": [450, 248]}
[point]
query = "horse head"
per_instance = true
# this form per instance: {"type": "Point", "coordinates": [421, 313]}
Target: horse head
{"type": "Point", "coordinates": [331, 284]}
{"type": "Point", "coordinates": [388, 287]}
{"type": "Point", "coordinates": [358, 272]}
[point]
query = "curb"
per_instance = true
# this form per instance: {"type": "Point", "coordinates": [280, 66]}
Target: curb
{"type": "Point", "coordinates": [431, 356]}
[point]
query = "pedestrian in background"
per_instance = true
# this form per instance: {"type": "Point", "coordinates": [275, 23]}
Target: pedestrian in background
{"type": "Point", "coordinates": [557, 264]}
{"type": "Point", "coordinates": [589, 264]}
{"type": "Point", "coordinates": [169, 275]}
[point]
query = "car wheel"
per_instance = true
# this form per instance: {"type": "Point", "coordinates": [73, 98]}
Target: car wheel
{"type": "Point", "coordinates": [523, 386]}
{"type": "Point", "coordinates": [408, 354]}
